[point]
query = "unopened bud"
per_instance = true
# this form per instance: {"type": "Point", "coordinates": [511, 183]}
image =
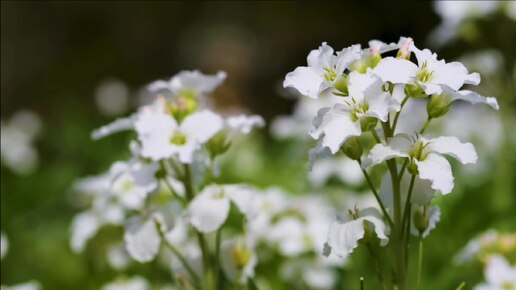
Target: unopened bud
{"type": "Point", "coordinates": [404, 51]}
{"type": "Point", "coordinates": [415, 91]}
{"type": "Point", "coordinates": [218, 144]}
{"type": "Point", "coordinates": [368, 123]}
{"type": "Point", "coordinates": [182, 107]}
{"type": "Point", "coordinates": [438, 106]}
{"type": "Point", "coordinates": [421, 219]}
{"type": "Point", "coordinates": [352, 148]}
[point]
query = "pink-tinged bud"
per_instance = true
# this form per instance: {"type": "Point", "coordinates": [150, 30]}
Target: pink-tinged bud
{"type": "Point", "coordinates": [404, 51]}
{"type": "Point", "coordinates": [374, 51]}
{"type": "Point", "coordinates": [181, 104]}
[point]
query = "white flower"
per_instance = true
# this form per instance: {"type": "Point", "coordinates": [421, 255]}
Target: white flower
{"type": "Point", "coordinates": [344, 168]}
{"type": "Point", "coordinates": [288, 234]}
{"type": "Point", "coordinates": [426, 155]}
{"type": "Point", "coordinates": [244, 124]}
{"type": "Point", "coordinates": [142, 236]}
{"type": "Point", "coordinates": [499, 274]}
{"type": "Point", "coordinates": [118, 257]}
{"type": "Point", "coordinates": [210, 208]}
{"type": "Point", "coordinates": [162, 137]}
{"type": "Point", "coordinates": [134, 283]}
{"type": "Point", "coordinates": [4, 245]}
{"type": "Point", "coordinates": [32, 285]}
{"type": "Point", "coordinates": [366, 100]}
{"type": "Point", "coordinates": [430, 73]}
{"type": "Point", "coordinates": [112, 97]}
{"type": "Point", "coordinates": [190, 83]}
{"type": "Point", "coordinates": [132, 181]}
{"type": "Point", "coordinates": [17, 137]}
{"type": "Point", "coordinates": [432, 215]}
{"type": "Point", "coordinates": [343, 236]}
{"type": "Point", "coordinates": [324, 70]}
{"type": "Point", "coordinates": [238, 260]}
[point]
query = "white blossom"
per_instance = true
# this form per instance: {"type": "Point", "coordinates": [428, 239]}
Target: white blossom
{"type": "Point", "coordinates": [133, 283]}
{"type": "Point", "coordinates": [4, 245]}
{"type": "Point", "coordinates": [343, 235]}
{"type": "Point", "coordinates": [499, 275]}
{"type": "Point", "coordinates": [238, 260]}
{"type": "Point", "coordinates": [190, 83]}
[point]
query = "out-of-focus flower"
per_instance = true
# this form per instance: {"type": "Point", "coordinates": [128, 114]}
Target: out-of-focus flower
{"type": "Point", "coordinates": [238, 260]}
{"type": "Point", "coordinates": [17, 138]}
{"type": "Point", "coordinates": [190, 84]}
{"type": "Point", "coordinates": [32, 285]}
{"type": "Point", "coordinates": [343, 168]}
{"type": "Point", "coordinates": [134, 283]}
{"type": "Point", "coordinates": [112, 97]}
{"type": "Point", "coordinates": [486, 245]}
{"type": "Point", "coordinates": [118, 257]}
{"type": "Point", "coordinates": [4, 245]}
{"type": "Point", "coordinates": [499, 275]}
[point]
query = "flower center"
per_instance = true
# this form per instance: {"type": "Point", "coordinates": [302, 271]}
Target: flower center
{"type": "Point", "coordinates": [358, 109]}
{"type": "Point", "coordinates": [178, 138]}
{"type": "Point", "coordinates": [330, 75]}
{"type": "Point", "coordinates": [241, 256]}
{"type": "Point", "coordinates": [424, 75]}
{"type": "Point", "coordinates": [418, 151]}
{"type": "Point", "coordinates": [127, 186]}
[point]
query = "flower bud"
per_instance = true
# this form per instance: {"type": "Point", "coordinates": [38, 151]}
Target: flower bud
{"type": "Point", "coordinates": [368, 123]}
{"type": "Point", "coordinates": [342, 84]}
{"type": "Point", "coordinates": [182, 107]}
{"type": "Point", "coordinates": [415, 91]}
{"type": "Point", "coordinates": [404, 51]}
{"type": "Point", "coordinates": [352, 148]}
{"type": "Point", "coordinates": [438, 106]}
{"type": "Point", "coordinates": [412, 167]}
{"type": "Point", "coordinates": [218, 144]}
{"type": "Point", "coordinates": [421, 219]}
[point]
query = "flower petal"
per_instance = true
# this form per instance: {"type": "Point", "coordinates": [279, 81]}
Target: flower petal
{"type": "Point", "coordinates": [209, 210]}
{"type": "Point", "coordinates": [244, 124]}
{"type": "Point", "coordinates": [438, 170]}
{"type": "Point", "coordinates": [306, 80]}
{"type": "Point", "coordinates": [245, 199]}
{"type": "Point", "coordinates": [343, 237]}
{"type": "Point", "coordinates": [84, 226]}
{"type": "Point", "coordinates": [142, 239]}
{"type": "Point", "coordinates": [196, 81]}
{"type": "Point", "coordinates": [397, 71]}
{"type": "Point", "coordinates": [113, 127]}
{"type": "Point", "coordinates": [335, 126]}
{"type": "Point", "coordinates": [474, 98]}
{"type": "Point", "coordinates": [464, 152]}
{"type": "Point", "coordinates": [201, 126]}
{"type": "Point", "coordinates": [398, 146]}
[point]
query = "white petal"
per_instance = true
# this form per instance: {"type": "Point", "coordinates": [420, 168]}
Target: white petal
{"type": "Point", "coordinates": [113, 127]}
{"type": "Point", "coordinates": [380, 102]}
{"type": "Point", "coordinates": [397, 71]}
{"type": "Point", "coordinates": [158, 85]}
{"type": "Point", "coordinates": [398, 146]}
{"type": "Point", "coordinates": [336, 126]}
{"type": "Point", "coordinates": [464, 152]}
{"type": "Point", "coordinates": [434, 216]}
{"type": "Point", "coordinates": [209, 210]}
{"type": "Point", "coordinates": [438, 170]}
{"type": "Point", "coordinates": [306, 80]}
{"type": "Point", "coordinates": [472, 79]}
{"type": "Point", "coordinates": [154, 132]}
{"type": "Point", "coordinates": [233, 271]}
{"type": "Point", "coordinates": [317, 152]}
{"type": "Point", "coordinates": [474, 98]}
{"type": "Point", "coordinates": [343, 237]}
{"type": "Point", "coordinates": [4, 245]}
{"type": "Point", "coordinates": [499, 272]}
{"type": "Point", "coordinates": [359, 83]}
{"type": "Point", "coordinates": [244, 124]}
{"type": "Point", "coordinates": [347, 56]}
{"type": "Point", "coordinates": [379, 228]}
{"type": "Point", "coordinates": [245, 199]}
{"type": "Point", "coordinates": [142, 239]}
{"type": "Point", "coordinates": [398, 93]}
{"type": "Point", "coordinates": [84, 226]}
{"type": "Point", "coordinates": [452, 74]}
{"type": "Point", "coordinates": [201, 126]}
{"type": "Point", "coordinates": [32, 285]}
{"type": "Point", "coordinates": [196, 81]}
{"type": "Point", "coordinates": [321, 57]}
{"type": "Point", "coordinates": [431, 88]}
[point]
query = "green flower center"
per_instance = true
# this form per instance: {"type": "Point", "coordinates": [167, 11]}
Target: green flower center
{"type": "Point", "coordinates": [358, 109]}
{"type": "Point", "coordinates": [330, 75]}
{"type": "Point", "coordinates": [178, 138]}
{"type": "Point", "coordinates": [424, 75]}
{"type": "Point", "coordinates": [241, 256]}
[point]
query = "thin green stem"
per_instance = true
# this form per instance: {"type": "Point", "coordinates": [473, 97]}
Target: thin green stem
{"type": "Point", "coordinates": [362, 287]}
{"type": "Point", "coordinates": [420, 262]}
{"type": "Point", "coordinates": [216, 258]}
{"type": "Point", "coordinates": [377, 196]}
{"type": "Point", "coordinates": [375, 136]}
{"type": "Point", "coordinates": [169, 185]}
{"type": "Point", "coordinates": [461, 286]}
{"type": "Point", "coordinates": [408, 201]}
{"type": "Point", "coordinates": [395, 122]}
{"type": "Point", "coordinates": [425, 126]}
{"type": "Point", "coordinates": [177, 253]}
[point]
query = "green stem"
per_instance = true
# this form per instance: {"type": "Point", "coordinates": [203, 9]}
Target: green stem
{"type": "Point", "coordinates": [375, 136]}
{"type": "Point", "coordinates": [362, 283]}
{"type": "Point", "coordinates": [425, 126]}
{"type": "Point", "coordinates": [169, 185]}
{"type": "Point", "coordinates": [177, 253]}
{"type": "Point", "coordinates": [461, 286]}
{"type": "Point", "coordinates": [377, 265]}
{"type": "Point", "coordinates": [408, 202]}
{"type": "Point", "coordinates": [217, 256]}
{"type": "Point", "coordinates": [377, 196]}
{"type": "Point", "coordinates": [395, 122]}
{"type": "Point", "coordinates": [420, 262]}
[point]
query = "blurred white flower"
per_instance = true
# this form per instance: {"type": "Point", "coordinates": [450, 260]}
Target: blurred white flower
{"type": "Point", "coordinates": [17, 142]}
{"type": "Point", "coordinates": [499, 275]}
{"type": "Point", "coordinates": [134, 283]}
{"type": "Point", "coordinates": [112, 97]}
{"type": "Point", "coordinates": [190, 83]}
{"type": "Point", "coordinates": [162, 137]}
{"type": "Point", "coordinates": [238, 260]}
{"type": "Point", "coordinates": [32, 285]}
{"type": "Point", "coordinates": [4, 245]}
{"type": "Point", "coordinates": [118, 257]}
{"type": "Point", "coordinates": [210, 208]}
{"type": "Point", "coordinates": [345, 169]}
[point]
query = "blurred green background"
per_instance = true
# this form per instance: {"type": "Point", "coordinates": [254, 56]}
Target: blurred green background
{"type": "Point", "coordinates": [54, 55]}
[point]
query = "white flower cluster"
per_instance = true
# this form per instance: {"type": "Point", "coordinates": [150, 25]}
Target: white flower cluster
{"type": "Point", "coordinates": [365, 91]}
